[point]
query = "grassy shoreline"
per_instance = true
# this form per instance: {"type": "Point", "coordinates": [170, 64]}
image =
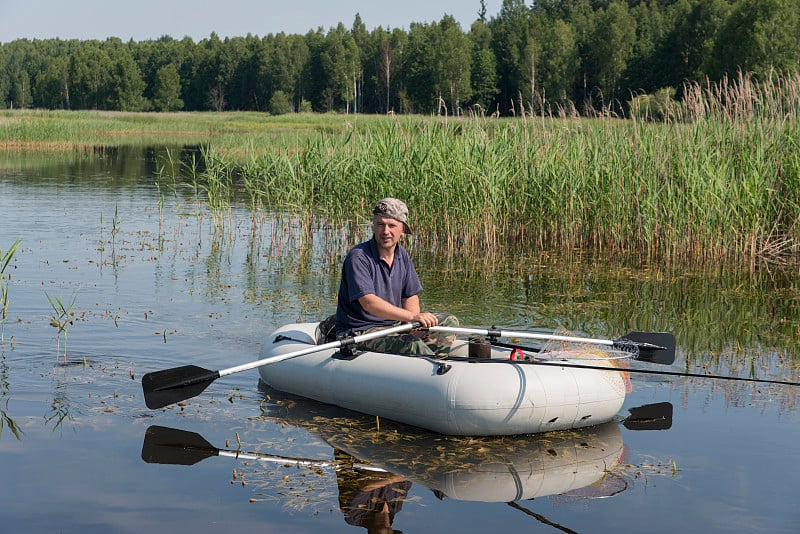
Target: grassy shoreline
{"type": "Point", "coordinates": [42, 130]}
{"type": "Point", "coordinates": [708, 185]}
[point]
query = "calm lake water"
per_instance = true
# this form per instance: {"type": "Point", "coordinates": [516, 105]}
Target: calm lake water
{"type": "Point", "coordinates": [156, 281]}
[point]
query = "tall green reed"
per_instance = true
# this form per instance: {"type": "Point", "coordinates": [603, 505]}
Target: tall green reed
{"type": "Point", "coordinates": [716, 180]}
{"type": "Point", "coordinates": [62, 317]}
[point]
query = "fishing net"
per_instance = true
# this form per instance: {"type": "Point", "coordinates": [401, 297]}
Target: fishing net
{"type": "Point", "coordinates": [618, 357]}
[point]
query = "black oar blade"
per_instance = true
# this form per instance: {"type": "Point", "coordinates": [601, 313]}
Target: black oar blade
{"type": "Point", "coordinates": [163, 445]}
{"type": "Point", "coordinates": [162, 388]}
{"type": "Point", "coordinates": [656, 416]}
{"type": "Point", "coordinates": [654, 347]}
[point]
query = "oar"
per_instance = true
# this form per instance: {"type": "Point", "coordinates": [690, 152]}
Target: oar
{"type": "Point", "coordinates": [654, 347]}
{"type": "Point", "coordinates": [164, 445]}
{"type": "Point", "coordinates": [169, 386]}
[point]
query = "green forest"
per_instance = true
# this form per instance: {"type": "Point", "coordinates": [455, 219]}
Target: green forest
{"type": "Point", "coordinates": [548, 57]}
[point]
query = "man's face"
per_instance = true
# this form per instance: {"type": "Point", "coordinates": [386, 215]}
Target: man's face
{"type": "Point", "coordinates": [387, 231]}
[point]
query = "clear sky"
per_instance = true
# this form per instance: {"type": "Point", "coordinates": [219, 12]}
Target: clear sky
{"type": "Point", "coordinates": [141, 20]}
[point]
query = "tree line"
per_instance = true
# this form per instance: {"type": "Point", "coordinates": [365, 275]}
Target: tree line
{"type": "Point", "coordinates": [550, 56]}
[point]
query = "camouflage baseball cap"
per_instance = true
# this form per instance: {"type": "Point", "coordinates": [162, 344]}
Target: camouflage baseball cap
{"type": "Point", "coordinates": [394, 209]}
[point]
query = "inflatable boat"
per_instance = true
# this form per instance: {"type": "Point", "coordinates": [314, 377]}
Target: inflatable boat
{"type": "Point", "coordinates": [507, 391]}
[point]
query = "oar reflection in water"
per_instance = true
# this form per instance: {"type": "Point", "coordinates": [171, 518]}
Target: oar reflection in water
{"type": "Point", "coordinates": [369, 497]}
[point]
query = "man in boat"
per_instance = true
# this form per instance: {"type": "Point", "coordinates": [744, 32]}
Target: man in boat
{"type": "Point", "coordinates": [380, 288]}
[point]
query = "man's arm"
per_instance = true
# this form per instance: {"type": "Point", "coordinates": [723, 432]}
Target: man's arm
{"type": "Point", "coordinates": [410, 311]}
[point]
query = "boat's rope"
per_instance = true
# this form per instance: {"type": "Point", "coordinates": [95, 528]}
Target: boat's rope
{"type": "Point", "coordinates": [281, 337]}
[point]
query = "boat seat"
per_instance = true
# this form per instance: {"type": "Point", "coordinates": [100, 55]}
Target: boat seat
{"type": "Point", "coordinates": [326, 330]}
{"type": "Point", "coordinates": [460, 348]}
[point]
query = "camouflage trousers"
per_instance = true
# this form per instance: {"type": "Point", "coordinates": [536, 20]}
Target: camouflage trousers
{"type": "Point", "coordinates": [418, 342]}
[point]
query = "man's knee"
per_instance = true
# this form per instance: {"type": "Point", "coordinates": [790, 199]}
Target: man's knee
{"type": "Point", "coordinates": [445, 319]}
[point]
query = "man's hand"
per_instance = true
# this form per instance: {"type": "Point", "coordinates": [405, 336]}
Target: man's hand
{"type": "Point", "coordinates": [426, 319]}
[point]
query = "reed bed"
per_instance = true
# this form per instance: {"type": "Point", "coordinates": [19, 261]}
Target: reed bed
{"type": "Point", "coordinates": [718, 180]}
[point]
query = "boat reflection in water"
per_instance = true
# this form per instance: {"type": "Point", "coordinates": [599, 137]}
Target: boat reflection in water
{"type": "Point", "coordinates": [377, 462]}
{"type": "Point", "coordinates": [486, 469]}
{"type": "Point", "coordinates": [577, 463]}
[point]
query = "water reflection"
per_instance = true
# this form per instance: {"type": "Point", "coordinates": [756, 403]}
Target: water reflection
{"type": "Point", "coordinates": [377, 463]}
{"type": "Point", "coordinates": [369, 498]}
{"type": "Point", "coordinates": [707, 310]}
{"type": "Point", "coordinates": [6, 421]}
{"type": "Point", "coordinates": [107, 167]}
{"type": "Point", "coordinates": [61, 408]}
{"type": "Point", "coordinates": [484, 469]}
{"type": "Point", "coordinates": [492, 470]}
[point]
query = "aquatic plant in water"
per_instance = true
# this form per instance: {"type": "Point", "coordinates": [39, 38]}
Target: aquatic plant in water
{"type": "Point", "coordinates": [5, 259]}
{"type": "Point", "coordinates": [61, 318]}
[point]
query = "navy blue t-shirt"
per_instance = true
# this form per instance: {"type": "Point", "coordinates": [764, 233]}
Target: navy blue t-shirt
{"type": "Point", "coordinates": [364, 272]}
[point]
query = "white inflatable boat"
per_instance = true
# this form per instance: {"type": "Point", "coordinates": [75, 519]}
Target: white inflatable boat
{"type": "Point", "coordinates": [454, 396]}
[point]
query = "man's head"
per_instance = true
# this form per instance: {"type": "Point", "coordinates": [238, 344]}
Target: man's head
{"type": "Point", "coordinates": [393, 209]}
